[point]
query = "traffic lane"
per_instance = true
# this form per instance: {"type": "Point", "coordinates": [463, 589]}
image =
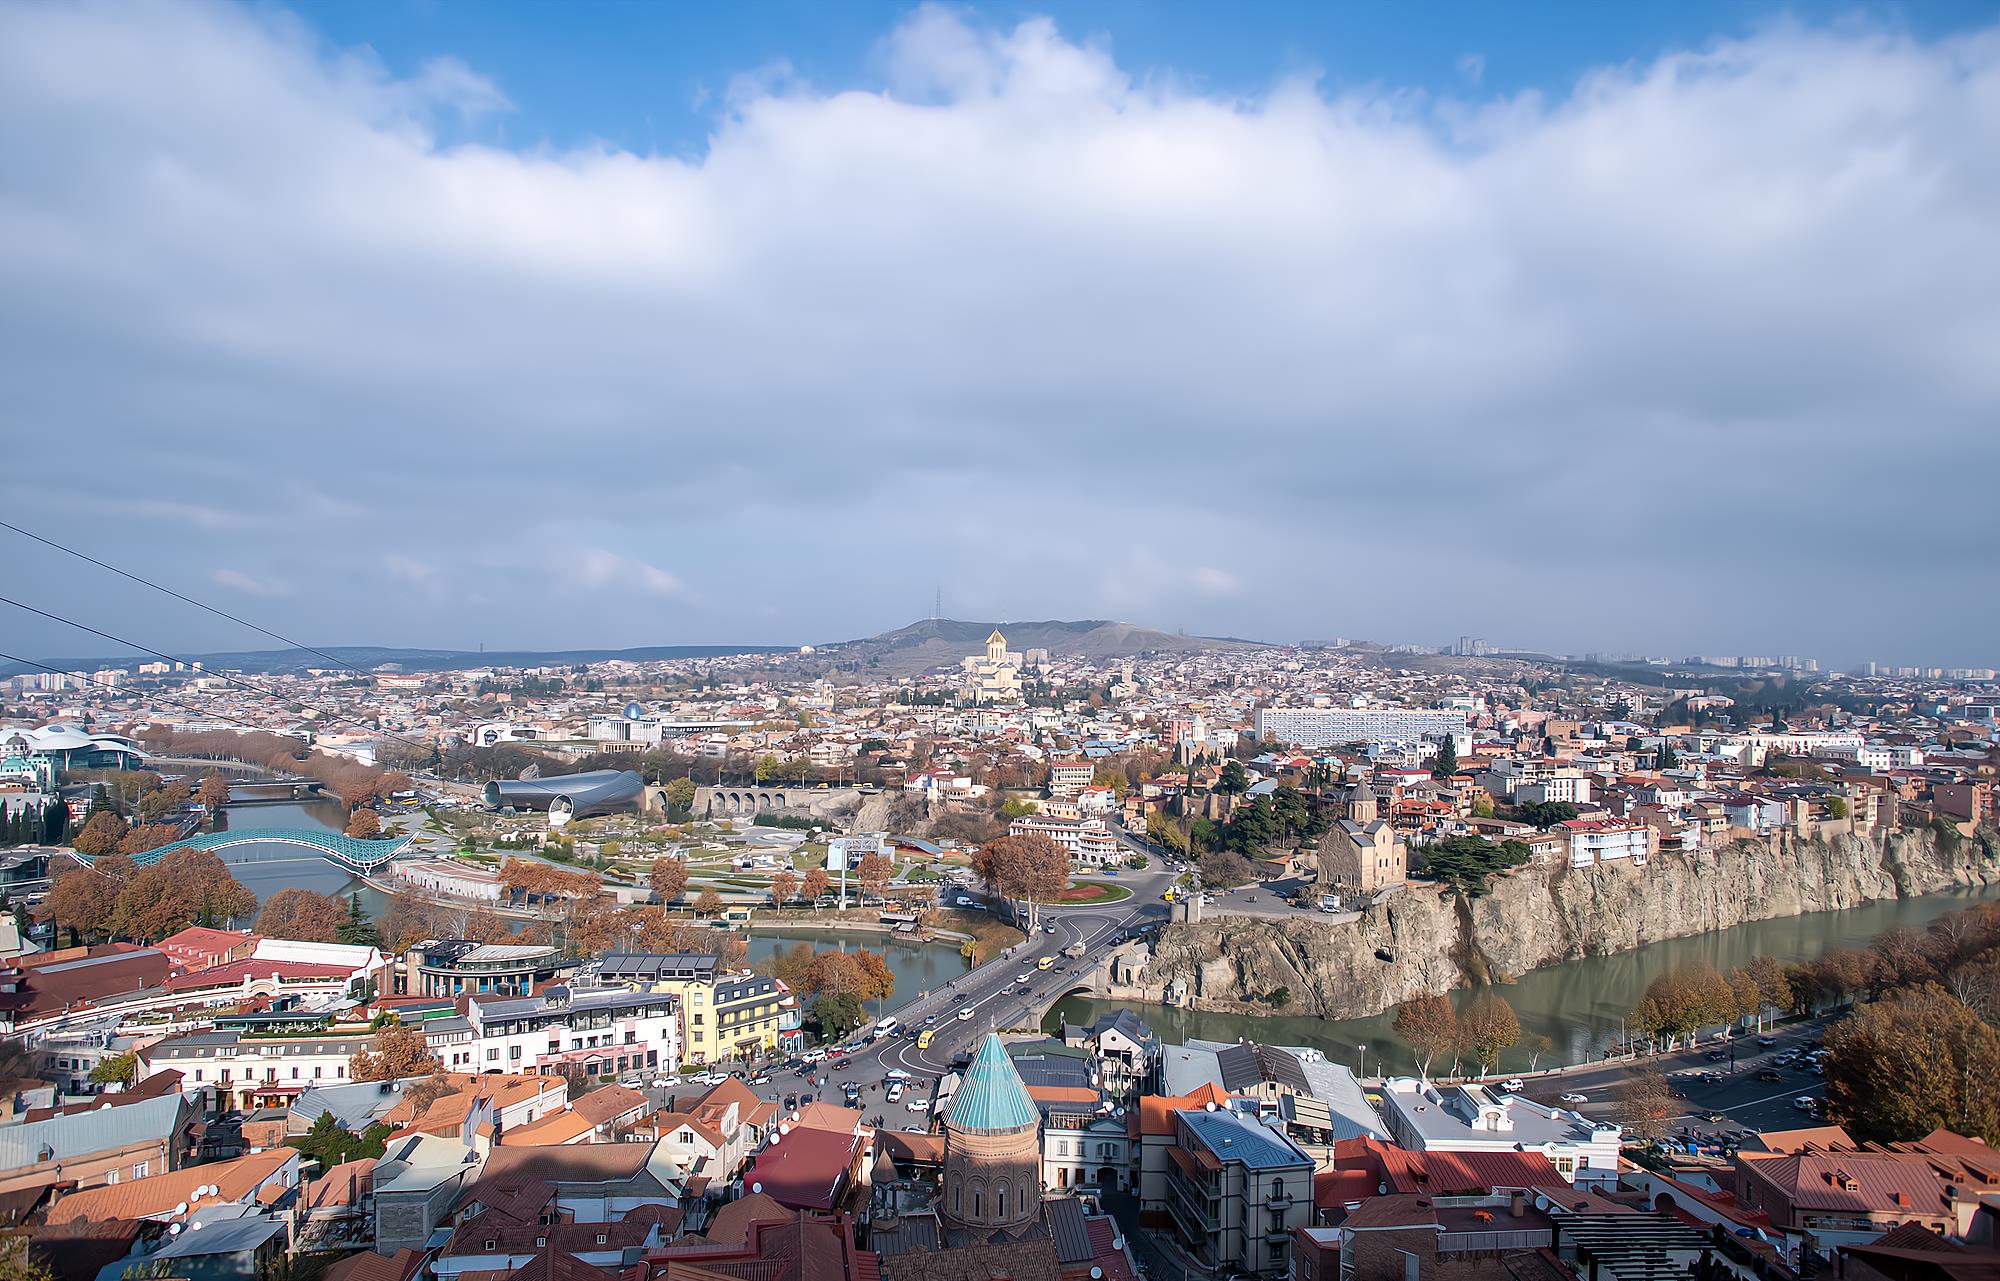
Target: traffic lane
{"type": "Point", "coordinates": [1609, 1076]}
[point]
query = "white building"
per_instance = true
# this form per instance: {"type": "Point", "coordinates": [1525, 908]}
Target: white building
{"type": "Point", "coordinates": [1470, 1118]}
{"type": "Point", "coordinates": [599, 1030]}
{"type": "Point", "coordinates": [1332, 726]}
{"type": "Point", "coordinates": [1599, 840]}
{"type": "Point", "coordinates": [1088, 841]}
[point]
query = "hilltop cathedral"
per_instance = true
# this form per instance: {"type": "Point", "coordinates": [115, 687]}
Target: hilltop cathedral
{"type": "Point", "coordinates": [994, 677]}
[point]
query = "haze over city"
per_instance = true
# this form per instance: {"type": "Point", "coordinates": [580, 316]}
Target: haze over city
{"type": "Point", "coordinates": [445, 325]}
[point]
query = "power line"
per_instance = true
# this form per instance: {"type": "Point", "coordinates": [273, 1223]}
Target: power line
{"type": "Point", "coordinates": [147, 582]}
{"type": "Point", "coordinates": [271, 694]}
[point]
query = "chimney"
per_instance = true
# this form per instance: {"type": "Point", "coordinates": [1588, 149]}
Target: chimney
{"type": "Point", "coordinates": [1517, 1205]}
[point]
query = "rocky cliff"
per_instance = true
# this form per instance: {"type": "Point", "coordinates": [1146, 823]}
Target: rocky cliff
{"type": "Point", "coordinates": [1426, 939]}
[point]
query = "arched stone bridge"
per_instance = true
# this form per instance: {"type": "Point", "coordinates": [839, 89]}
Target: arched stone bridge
{"type": "Point", "coordinates": [727, 802]}
{"type": "Point", "coordinates": [349, 852]}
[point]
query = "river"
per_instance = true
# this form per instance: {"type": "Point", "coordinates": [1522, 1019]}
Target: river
{"type": "Point", "coordinates": [918, 967]}
{"type": "Point", "coordinates": [1579, 1005]}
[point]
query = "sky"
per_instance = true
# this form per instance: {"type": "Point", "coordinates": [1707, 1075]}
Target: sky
{"type": "Point", "coordinates": [1663, 329]}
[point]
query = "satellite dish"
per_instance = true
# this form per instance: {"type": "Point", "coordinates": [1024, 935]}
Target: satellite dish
{"type": "Point", "coordinates": [182, 1208]}
{"type": "Point", "coordinates": [1118, 1243]}
{"type": "Point", "coordinates": [757, 1187]}
{"type": "Point", "coordinates": [173, 1229]}
{"type": "Point", "coordinates": [1096, 1273]}
{"type": "Point", "coordinates": [633, 711]}
{"type": "Point", "coordinates": [783, 1129]}
{"type": "Point", "coordinates": [1209, 1106]}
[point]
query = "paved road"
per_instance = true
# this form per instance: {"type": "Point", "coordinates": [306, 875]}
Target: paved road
{"type": "Point", "coordinates": [1746, 1102]}
{"type": "Point", "coordinates": [1008, 991]}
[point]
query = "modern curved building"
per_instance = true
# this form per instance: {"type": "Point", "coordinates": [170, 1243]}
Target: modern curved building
{"type": "Point", "coordinates": [992, 1149]}
{"type": "Point", "coordinates": [54, 748]}
{"type": "Point", "coordinates": [569, 796]}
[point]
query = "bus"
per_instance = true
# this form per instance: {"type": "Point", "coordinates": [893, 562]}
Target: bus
{"type": "Point", "coordinates": [924, 1039]}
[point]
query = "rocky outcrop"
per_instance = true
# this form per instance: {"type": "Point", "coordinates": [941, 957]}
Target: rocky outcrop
{"type": "Point", "coordinates": [1427, 939]}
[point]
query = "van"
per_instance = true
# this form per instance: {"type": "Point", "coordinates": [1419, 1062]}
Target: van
{"type": "Point", "coordinates": [886, 1026]}
{"type": "Point", "coordinates": [924, 1039]}
{"type": "Point", "coordinates": [1045, 963]}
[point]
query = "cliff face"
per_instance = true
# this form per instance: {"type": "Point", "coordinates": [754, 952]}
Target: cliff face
{"type": "Point", "coordinates": [1424, 940]}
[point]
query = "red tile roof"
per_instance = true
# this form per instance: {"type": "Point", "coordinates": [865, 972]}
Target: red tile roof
{"type": "Point", "coordinates": [806, 1169]}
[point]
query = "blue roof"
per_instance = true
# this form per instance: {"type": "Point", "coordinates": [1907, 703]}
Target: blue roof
{"type": "Point", "coordinates": [1235, 1138]}
{"type": "Point", "coordinates": [990, 1097]}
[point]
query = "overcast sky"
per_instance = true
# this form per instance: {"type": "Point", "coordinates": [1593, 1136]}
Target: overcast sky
{"type": "Point", "coordinates": [1688, 348]}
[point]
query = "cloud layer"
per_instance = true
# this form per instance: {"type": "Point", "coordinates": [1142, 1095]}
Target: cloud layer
{"type": "Point", "coordinates": [1696, 354]}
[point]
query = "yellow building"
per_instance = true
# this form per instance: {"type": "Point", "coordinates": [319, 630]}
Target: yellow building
{"type": "Point", "coordinates": [723, 1016]}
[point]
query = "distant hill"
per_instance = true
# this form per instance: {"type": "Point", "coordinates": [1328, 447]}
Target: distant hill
{"type": "Point", "coordinates": [370, 657]}
{"type": "Point", "coordinates": [933, 644]}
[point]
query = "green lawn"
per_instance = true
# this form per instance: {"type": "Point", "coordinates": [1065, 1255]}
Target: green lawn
{"type": "Point", "coordinates": [1092, 892]}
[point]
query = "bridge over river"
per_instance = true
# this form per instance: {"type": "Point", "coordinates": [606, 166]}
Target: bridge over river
{"type": "Point", "coordinates": [358, 856]}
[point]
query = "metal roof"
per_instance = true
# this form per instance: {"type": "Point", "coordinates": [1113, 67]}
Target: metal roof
{"type": "Point", "coordinates": [77, 1134]}
{"type": "Point", "coordinates": [1231, 1137]}
{"type": "Point", "coordinates": [991, 1098]}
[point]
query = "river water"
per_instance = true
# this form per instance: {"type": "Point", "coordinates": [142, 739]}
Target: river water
{"type": "Point", "coordinates": [1579, 1005]}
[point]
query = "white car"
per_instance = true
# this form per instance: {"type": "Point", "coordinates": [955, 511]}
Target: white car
{"type": "Point", "coordinates": [1575, 1098]}
{"type": "Point", "coordinates": [965, 1014]}
{"type": "Point", "coordinates": [1513, 1085]}
{"type": "Point", "coordinates": [918, 1105]}
{"type": "Point", "coordinates": [1803, 1103]}
{"type": "Point", "coordinates": [1023, 978]}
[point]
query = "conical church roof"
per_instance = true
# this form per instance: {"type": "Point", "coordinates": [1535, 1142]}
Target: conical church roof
{"type": "Point", "coordinates": [991, 1098]}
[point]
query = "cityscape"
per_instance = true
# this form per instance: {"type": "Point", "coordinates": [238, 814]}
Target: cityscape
{"type": "Point", "coordinates": [918, 643]}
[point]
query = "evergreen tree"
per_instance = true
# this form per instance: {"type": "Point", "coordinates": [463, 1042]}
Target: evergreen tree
{"type": "Point", "coordinates": [1667, 758]}
{"type": "Point", "coordinates": [1447, 758]}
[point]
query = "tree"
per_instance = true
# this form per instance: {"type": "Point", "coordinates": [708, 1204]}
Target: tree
{"type": "Point", "coordinates": [399, 1052]}
{"type": "Point", "coordinates": [148, 836]}
{"type": "Point", "coordinates": [836, 972]}
{"type": "Point", "coordinates": [1227, 869]}
{"type": "Point", "coordinates": [214, 792]}
{"type": "Point", "coordinates": [1468, 862]}
{"type": "Point", "coordinates": [1488, 1029]}
{"type": "Point", "coordinates": [1165, 832]}
{"type": "Point", "coordinates": [354, 927]}
{"type": "Point", "coordinates": [1683, 1001]}
{"type": "Point", "coordinates": [1428, 1025]}
{"type": "Point", "coordinates": [1749, 996]}
{"type": "Point", "coordinates": [1646, 1105]}
{"type": "Point", "coordinates": [1836, 808]}
{"type": "Point", "coordinates": [22, 1259]}
{"type": "Point", "coordinates": [1667, 760]}
{"type": "Point", "coordinates": [1447, 758]}
{"type": "Point", "coordinates": [356, 792]}
{"type": "Point", "coordinates": [668, 877]}
{"type": "Point", "coordinates": [101, 833]}
{"type": "Point", "coordinates": [709, 903]}
{"type": "Point", "coordinates": [783, 886]}
{"type": "Point", "coordinates": [301, 914]}
{"type": "Point", "coordinates": [1546, 814]}
{"type": "Point", "coordinates": [1233, 781]}
{"type": "Point", "coordinates": [767, 767]}
{"type": "Point", "coordinates": [874, 871]}
{"type": "Point", "coordinates": [878, 981]}
{"type": "Point", "coordinates": [116, 1070]}
{"type": "Point", "coordinates": [1772, 985]}
{"type": "Point", "coordinates": [836, 1013]}
{"type": "Point", "coordinates": [81, 900]}
{"type": "Point", "coordinates": [680, 796]}
{"type": "Point", "coordinates": [330, 1144]}
{"type": "Point", "coordinates": [1536, 1046]}
{"type": "Point", "coordinates": [1029, 867]}
{"type": "Point", "coordinates": [186, 887]}
{"type": "Point", "coordinates": [817, 883]}
{"type": "Point", "coordinates": [364, 825]}
{"type": "Point", "coordinates": [1912, 1062]}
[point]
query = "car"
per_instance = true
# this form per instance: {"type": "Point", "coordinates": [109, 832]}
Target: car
{"type": "Point", "coordinates": [662, 1082]}
{"type": "Point", "coordinates": [965, 1013]}
{"type": "Point", "coordinates": [840, 1062]}
{"type": "Point", "coordinates": [1716, 1056]}
{"type": "Point", "coordinates": [1767, 1042]}
{"type": "Point", "coordinates": [918, 1105]}
{"type": "Point", "coordinates": [1770, 1074]}
{"type": "Point", "coordinates": [1717, 1118]}
{"type": "Point", "coordinates": [762, 1078]}
{"type": "Point", "coordinates": [930, 1019]}
{"type": "Point", "coordinates": [1514, 1085]}
{"type": "Point", "coordinates": [1575, 1098]}
{"type": "Point", "coordinates": [895, 1092]}
{"type": "Point", "coordinates": [1048, 929]}
{"type": "Point", "coordinates": [791, 1101]}
{"type": "Point", "coordinates": [1022, 978]}
{"type": "Point", "coordinates": [1711, 1078]}
{"type": "Point", "coordinates": [1805, 1103]}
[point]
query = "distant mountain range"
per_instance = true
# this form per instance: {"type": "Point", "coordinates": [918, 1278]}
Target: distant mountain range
{"type": "Point", "coordinates": [923, 646]}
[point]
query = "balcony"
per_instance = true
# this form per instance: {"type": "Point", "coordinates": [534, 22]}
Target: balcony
{"type": "Point", "coordinates": [1198, 1207]}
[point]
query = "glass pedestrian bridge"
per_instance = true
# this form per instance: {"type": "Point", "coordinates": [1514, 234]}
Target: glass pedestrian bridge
{"type": "Point", "coordinates": [349, 852]}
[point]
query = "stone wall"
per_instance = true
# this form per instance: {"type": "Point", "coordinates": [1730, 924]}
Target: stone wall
{"type": "Point", "coordinates": [1427, 939]}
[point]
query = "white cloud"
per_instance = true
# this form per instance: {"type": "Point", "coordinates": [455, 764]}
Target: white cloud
{"type": "Point", "coordinates": [238, 581]}
{"type": "Point", "coordinates": [1734, 306]}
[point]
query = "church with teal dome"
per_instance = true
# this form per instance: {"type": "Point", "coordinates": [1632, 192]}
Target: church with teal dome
{"type": "Point", "coordinates": [992, 1150]}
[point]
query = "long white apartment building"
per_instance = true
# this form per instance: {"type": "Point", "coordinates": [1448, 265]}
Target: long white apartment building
{"type": "Point", "coordinates": [1333, 726]}
{"type": "Point", "coordinates": [602, 1031]}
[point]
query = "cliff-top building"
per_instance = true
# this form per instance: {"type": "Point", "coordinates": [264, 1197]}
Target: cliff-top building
{"type": "Point", "coordinates": [995, 676]}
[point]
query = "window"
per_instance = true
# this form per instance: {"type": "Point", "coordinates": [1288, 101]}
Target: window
{"type": "Point", "coordinates": [492, 1054]}
{"type": "Point", "coordinates": [1277, 1189]}
{"type": "Point", "coordinates": [140, 1169]}
{"type": "Point", "coordinates": [1001, 1192]}
{"type": "Point", "coordinates": [111, 1175]}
